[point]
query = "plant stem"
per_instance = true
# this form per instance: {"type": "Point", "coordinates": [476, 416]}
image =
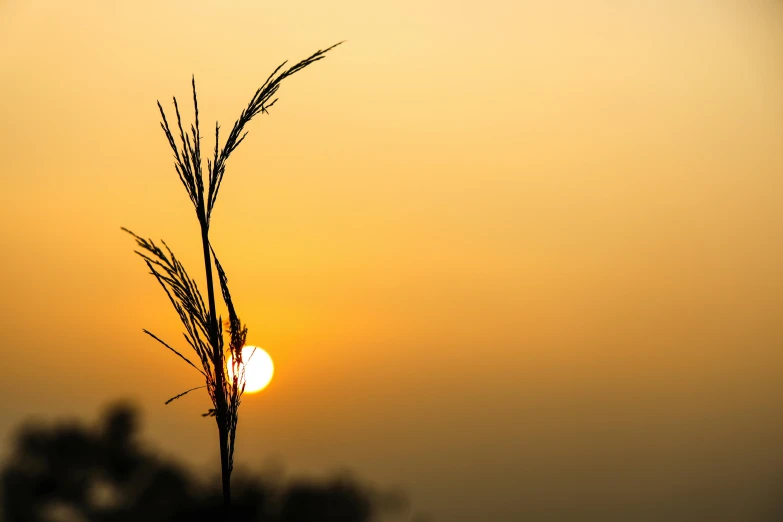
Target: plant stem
{"type": "Point", "coordinates": [217, 356]}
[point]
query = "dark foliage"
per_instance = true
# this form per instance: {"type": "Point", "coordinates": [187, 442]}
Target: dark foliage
{"type": "Point", "coordinates": [102, 474]}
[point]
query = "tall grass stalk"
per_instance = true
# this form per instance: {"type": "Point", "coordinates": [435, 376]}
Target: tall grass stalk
{"type": "Point", "coordinates": [204, 329]}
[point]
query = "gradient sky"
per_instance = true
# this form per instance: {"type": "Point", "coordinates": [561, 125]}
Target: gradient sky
{"type": "Point", "coordinates": [523, 259]}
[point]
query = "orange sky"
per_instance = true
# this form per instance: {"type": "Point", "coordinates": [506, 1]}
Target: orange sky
{"type": "Point", "coordinates": [521, 258]}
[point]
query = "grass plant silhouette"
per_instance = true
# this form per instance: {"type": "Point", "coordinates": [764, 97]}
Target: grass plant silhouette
{"type": "Point", "coordinates": [203, 327]}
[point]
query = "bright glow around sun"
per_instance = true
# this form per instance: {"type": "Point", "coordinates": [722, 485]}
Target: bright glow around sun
{"type": "Point", "coordinates": [258, 368]}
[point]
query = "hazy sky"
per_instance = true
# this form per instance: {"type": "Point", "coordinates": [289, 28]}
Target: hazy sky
{"type": "Point", "coordinates": [523, 259]}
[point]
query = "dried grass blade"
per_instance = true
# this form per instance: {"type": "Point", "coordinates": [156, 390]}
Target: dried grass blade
{"type": "Point", "coordinates": [173, 350]}
{"type": "Point", "coordinates": [184, 393]}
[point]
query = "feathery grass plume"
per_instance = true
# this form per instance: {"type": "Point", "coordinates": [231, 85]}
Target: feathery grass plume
{"type": "Point", "coordinates": [203, 328]}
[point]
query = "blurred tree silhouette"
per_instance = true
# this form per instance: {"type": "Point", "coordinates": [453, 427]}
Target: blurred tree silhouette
{"type": "Point", "coordinates": [75, 472]}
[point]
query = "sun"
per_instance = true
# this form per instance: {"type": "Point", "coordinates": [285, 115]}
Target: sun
{"type": "Point", "coordinates": [259, 368]}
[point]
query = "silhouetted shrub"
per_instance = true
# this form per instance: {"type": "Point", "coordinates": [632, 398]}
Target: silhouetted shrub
{"type": "Point", "coordinates": [70, 471]}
